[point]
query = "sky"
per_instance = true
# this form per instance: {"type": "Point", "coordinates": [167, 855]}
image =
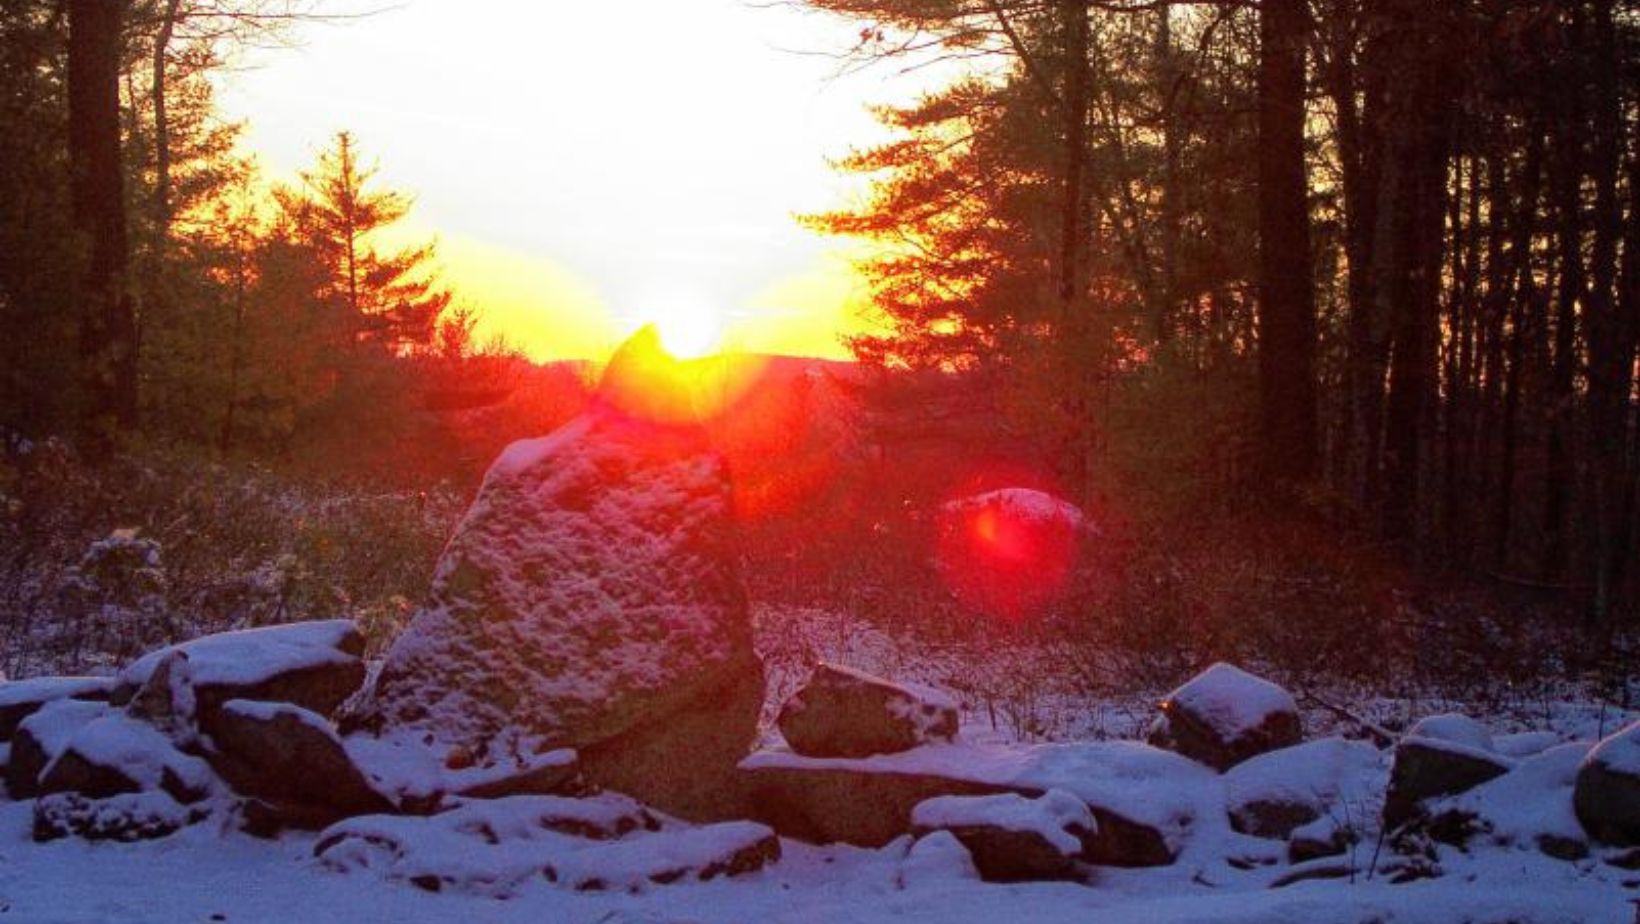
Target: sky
{"type": "Point", "coordinates": [587, 167]}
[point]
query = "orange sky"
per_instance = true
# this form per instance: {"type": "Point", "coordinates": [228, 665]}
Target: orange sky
{"type": "Point", "coordinates": [589, 167]}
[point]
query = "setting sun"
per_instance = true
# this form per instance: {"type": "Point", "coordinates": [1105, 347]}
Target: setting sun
{"type": "Point", "coordinates": [690, 326]}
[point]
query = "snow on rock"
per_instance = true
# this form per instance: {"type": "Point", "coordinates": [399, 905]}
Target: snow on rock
{"type": "Point", "coordinates": [1454, 728]}
{"type": "Point", "coordinates": [20, 699]}
{"type": "Point", "coordinates": [291, 761]}
{"type": "Point", "coordinates": [41, 737]}
{"type": "Point", "coordinates": [1225, 715]}
{"type": "Point", "coordinates": [1439, 756]}
{"type": "Point", "coordinates": [1607, 793]}
{"type": "Point", "coordinates": [590, 599]}
{"type": "Point", "coordinates": [934, 860]}
{"type": "Point", "coordinates": [1272, 794]}
{"type": "Point", "coordinates": [1148, 803]}
{"type": "Point", "coordinates": [114, 754]}
{"type": "Point", "coordinates": [315, 665]}
{"type": "Point", "coordinates": [841, 712]}
{"type": "Point", "coordinates": [1525, 744]}
{"type": "Point", "coordinates": [699, 854]}
{"type": "Point", "coordinates": [1010, 837]}
{"type": "Point", "coordinates": [1529, 807]}
{"type": "Point", "coordinates": [1027, 504]}
{"type": "Point", "coordinates": [495, 846]}
{"type": "Point", "coordinates": [132, 816]}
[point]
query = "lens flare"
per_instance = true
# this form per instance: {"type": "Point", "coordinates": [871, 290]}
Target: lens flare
{"type": "Point", "coordinates": [1009, 552]}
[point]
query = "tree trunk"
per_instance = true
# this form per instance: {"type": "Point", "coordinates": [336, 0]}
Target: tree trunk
{"type": "Point", "coordinates": [1287, 325]}
{"type": "Point", "coordinates": [108, 344]}
{"type": "Point", "coordinates": [162, 124]}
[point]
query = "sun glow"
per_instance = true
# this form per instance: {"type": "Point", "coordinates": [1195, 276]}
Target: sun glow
{"type": "Point", "coordinates": [690, 326]}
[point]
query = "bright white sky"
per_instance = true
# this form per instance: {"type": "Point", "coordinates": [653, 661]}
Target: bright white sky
{"type": "Point", "coordinates": [590, 165]}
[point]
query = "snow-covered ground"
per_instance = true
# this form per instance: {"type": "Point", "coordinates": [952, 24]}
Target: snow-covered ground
{"type": "Point", "coordinates": [204, 875]}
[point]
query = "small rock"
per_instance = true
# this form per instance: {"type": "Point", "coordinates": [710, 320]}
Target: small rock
{"type": "Point", "coordinates": [41, 737]}
{"type": "Point", "coordinates": [116, 754]}
{"type": "Point", "coordinates": [1428, 767]}
{"type": "Point", "coordinates": [1225, 715]}
{"type": "Point", "coordinates": [842, 712]}
{"type": "Point", "coordinates": [1010, 837]}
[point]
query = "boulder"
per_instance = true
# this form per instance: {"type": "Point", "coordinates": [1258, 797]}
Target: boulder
{"type": "Point", "coordinates": [41, 737]}
{"type": "Point", "coordinates": [1442, 757]}
{"type": "Point", "coordinates": [1012, 838]}
{"type": "Point", "coordinates": [1225, 715]}
{"type": "Point", "coordinates": [291, 762]}
{"type": "Point", "coordinates": [591, 599]}
{"type": "Point", "coordinates": [114, 754]}
{"type": "Point", "coordinates": [936, 860]}
{"type": "Point", "coordinates": [863, 807]}
{"type": "Point", "coordinates": [1530, 807]}
{"type": "Point", "coordinates": [166, 699]}
{"type": "Point", "coordinates": [1607, 791]}
{"type": "Point", "coordinates": [1326, 836]}
{"type": "Point", "coordinates": [315, 665]}
{"type": "Point", "coordinates": [20, 699]}
{"type": "Point", "coordinates": [552, 773]}
{"type": "Point", "coordinates": [694, 854]}
{"type": "Point", "coordinates": [123, 817]}
{"type": "Point", "coordinates": [1274, 793]}
{"type": "Point", "coordinates": [842, 712]}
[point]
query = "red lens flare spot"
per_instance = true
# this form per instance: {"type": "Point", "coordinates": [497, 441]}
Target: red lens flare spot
{"type": "Point", "coordinates": [1009, 552]}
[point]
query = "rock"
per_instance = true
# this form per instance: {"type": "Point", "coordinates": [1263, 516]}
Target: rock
{"type": "Point", "coordinates": [591, 599]}
{"type": "Point", "coordinates": [1455, 729]}
{"type": "Point", "coordinates": [166, 699]}
{"type": "Point", "coordinates": [291, 761]}
{"type": "Point", "coordinates": [20, 699]}
{"type": "Point", "coordinates": [1145, 802]}
{"type": "Point", "coordinates": [315, 665]}
{"type": "Point", "coordinates": [1323, 837]}
{"type": "Point", "coordinates": [1529, 807]}
{"type": "Point", "coordinates": [1606, 795]}
{"type": "Point", "coordinates": [115, 754]}
{"type": "Point", "coordinates": [1012, 838]}
{"type": "Point", "coordinates": [123, 817]}
{"type": "Point", "coordinates": [1426, 767]}
{"type": "Point", "coordinates": [865, 808]}
{"type": "Point", "coordinates": [1225, 715]}
{"type": "Point", "coordinates": [1272, 794]}
{"type": "Point", "coordinates": [841, 712]}
{"type": "Point", "coordinates": [695, 854]}
{"type": "Point", "coordinates": [41, 737]}
{"type": "Point", "coordinates": [553, 773]}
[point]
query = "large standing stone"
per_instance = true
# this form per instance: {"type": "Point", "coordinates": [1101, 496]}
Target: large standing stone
{"type": "Point", "coordinates": [1607, 793]}
{"type": "Point", "coordinates": [591, 598]}
{"type": "Point", "coordinates": [1225, 715]}
{"type": "Point", "coordinates": [846, 713]}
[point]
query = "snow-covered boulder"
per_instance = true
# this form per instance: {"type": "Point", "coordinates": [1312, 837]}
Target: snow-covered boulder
{"type": "Point", "coordinates": [591, 599]}
{"type": "Point", "coordinates": [842, 712]}
{"type": "Point", "coordinates": [1147, 803]}
{"type": "Point", "coordinates": [290, 760]}
{"type": "Point", "coordinates": [41, 737]}
{"type": "Point", "coordinates": [934, 861]}
{"type": "Point", "coordinates": [20, 699]}
{"type": "Point", "coordinates": [1607, 794]}
{"type": "Point", "coordinates": [133, 816]}
{"type": "Point", "coordinates": [1274, 793]}
{"type": "Point", "coordinates": [314, 665]}
{"type": "Point", "coordinates": [1439, 756]}
{"type": "Point", "coordinates": [114, 754]}
{"type": "Point", "coordinates": [1224, 715]}
{"type": "Point", "coordinates": [1010, 837]}
{"type": "Point", "coordinates": [494, 846]}
{"type": "Point", "coordinates": [1530, 807]}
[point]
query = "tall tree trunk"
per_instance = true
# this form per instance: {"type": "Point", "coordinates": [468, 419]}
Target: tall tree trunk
{"type": "Point", "coordinates": [162, 123]}
{"type": "Point", "coordinates": [108, 344]}
{"type": "Point", "coordinates": [1287, 325]}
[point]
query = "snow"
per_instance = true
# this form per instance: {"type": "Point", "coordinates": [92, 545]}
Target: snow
{"type": "Point", "coordinates": [402, 763]}
{"type": "Point", "coordinates": [1525, 744]}
{"type": "Point", "coordinates": [1456, 729]}
{"type": "Point", "coordinates": [1316, 773]}
{"type": "Point", "coordinates": [921, 692]}
{"type": "Point", "coordinates": [46, 689]}
{"type": "Point", "coordinates": [641, 861]}
{"type": "Point", "coordinates": [1230, 700]}
{"type": "Point", "coordinates": [934, 860]}
{"type": "Point", "coordinates": [56, 722]}
{"type": "Point", "coordinates": [1620, 752]}
{"type": "Point", "coordinates": [251, 656]}
{"type": "Point", "coordinates": [1050, 816]}
{"type": "Point", "coordinates": [138, 750]}
{"type": "Point", "coordinates": [202, 871]}
{"type": "Point", "coordinates": [1529, 802]}
{"type": "Point", "coordinates": [1025, 503]}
